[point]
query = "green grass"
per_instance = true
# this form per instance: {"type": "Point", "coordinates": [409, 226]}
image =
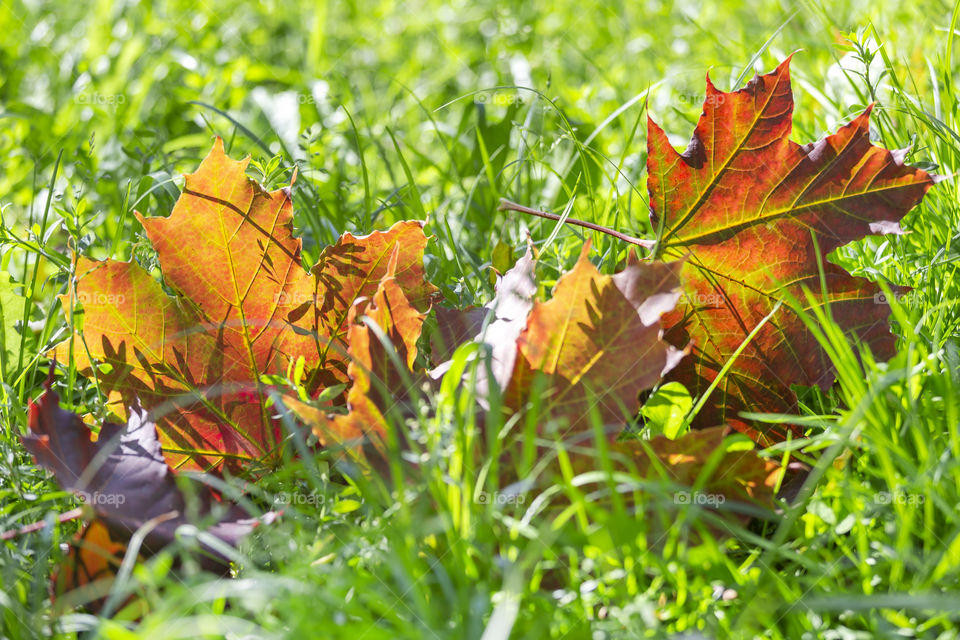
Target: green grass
{"type": "Point", "coordinates": [412, 110]}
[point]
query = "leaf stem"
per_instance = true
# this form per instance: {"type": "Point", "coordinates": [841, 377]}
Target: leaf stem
{"type": "Point", "coordinates": [73, 514]}
{"type": "Point", "coordinates": [507, 205]}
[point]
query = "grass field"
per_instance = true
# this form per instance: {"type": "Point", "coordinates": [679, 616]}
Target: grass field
{"type": "Point", "coordinates": [394, 111]}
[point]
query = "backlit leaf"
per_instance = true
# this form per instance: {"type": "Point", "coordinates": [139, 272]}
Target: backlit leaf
{"type": "Point", "coordinates": [383, 334]}
{"type": "Point", "coordinates": [748, 207]}
{"type": "Point", "coordinates": [595, 344]}
{"type": "Point", "coordinates": [245, 307]}
{"type": "Point", "coordinates": [122, 477]}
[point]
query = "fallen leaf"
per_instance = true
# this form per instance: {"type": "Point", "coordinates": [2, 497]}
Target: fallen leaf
{"type": "Point", "coordinates": [748, 207]}
{"type": "Point", "coordinates": [383, 335]}
{"type": "Point", "coordinates": [161, 353]}
{"type": "Point", "coordinates": [740, 474]}
{"type": "Point", "coordinates": [85, 576]}
{"type": "Point", "coordinates": [595, 344]}
{"type": "Point", "coordinates": [353, 268]}
{"type": "Point", "coordinates": [245, 307]}
{"type": "Point", "coordinates": [126, 483]}
{"type": "Point", "coordinates": [737, 474]}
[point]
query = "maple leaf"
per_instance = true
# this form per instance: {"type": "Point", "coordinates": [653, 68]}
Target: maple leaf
{"type": "Point", "coordinates": [93, 561]}
{"type": "Point", "coordinates": [125, 481]}
{"type": "Point", "coordinates": [158, 353]}
{"type": "Point", "coordinates": [594, 343]}
{"type": "Point", "coordinates": [597, 340]}
{"type": "Point", "coordinates": [709, 458]}
{"type": "Point", "coordinates": [383, 335]}
{"type": "Point", "coordinates": [749, 208]}
{"type": "Point", "coordinates": [352, 270]}
{"type": "Point", "coordinates": [245, 307]}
